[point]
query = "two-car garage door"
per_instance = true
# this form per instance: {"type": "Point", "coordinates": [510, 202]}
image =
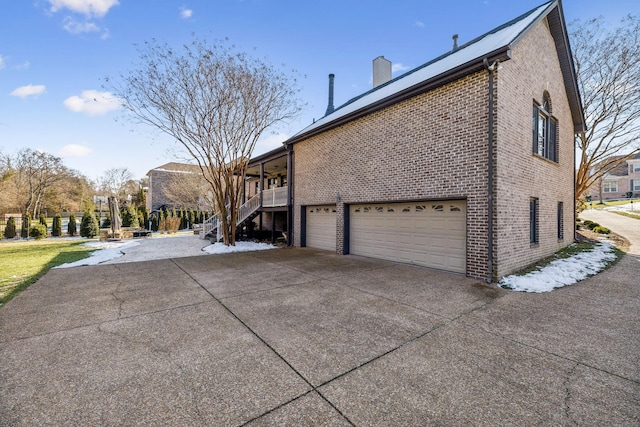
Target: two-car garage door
{"type": "Point", "coordinates": [431, 234]}
{"type": "Point", "coordinates": [427, 233]}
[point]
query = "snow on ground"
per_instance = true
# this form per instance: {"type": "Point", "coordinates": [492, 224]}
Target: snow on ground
{"type": "Point", "coordinates": [220, 248]}
{"type": "Point", "coordinates": [105, 251]}
{"type": "Point", "coordinates": [558, 273]}
{"type": "Point", "coordinates": [562, 272]}
{"type": "Point", "coordinates": [629, 207]}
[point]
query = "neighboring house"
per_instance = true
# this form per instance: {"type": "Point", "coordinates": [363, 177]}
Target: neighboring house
{"type": "Point", "coordinates": [618, 182]}
{"type": "Point", "coordinates": [465, 163]}
{"type": "Point", "coordinates": [160, 181]}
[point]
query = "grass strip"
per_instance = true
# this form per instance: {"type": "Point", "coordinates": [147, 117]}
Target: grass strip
{"type": "Point", "coordinates": [24, 262]}
{"type": "Point", "coordinates": [627, 214]}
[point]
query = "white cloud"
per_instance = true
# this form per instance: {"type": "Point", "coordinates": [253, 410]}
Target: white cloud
{"type": "Point", "coordinates": [2, 65]}
{"type": "Point", "coordinates": [85, 7]}
{"type": "Point", "coordinates": [75, 150]}
{"type": "Point", "coordinates": [93, 103]}
{"type": "Point", "coordinates": [185, 13]}
{"type": "Point", "coordinates": [399, 67]}
{"type": "Point", "coordinates": [77, 27]}
{"type": "Point", "coordinates": [29, 90]}
{"type": "Point", "coordinates": [420, 24]}
{"type": "Point", "coordinates": [24, 66]}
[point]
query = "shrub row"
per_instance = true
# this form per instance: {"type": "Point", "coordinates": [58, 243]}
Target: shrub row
{"type": "Point", "coordinates": [595, 227]}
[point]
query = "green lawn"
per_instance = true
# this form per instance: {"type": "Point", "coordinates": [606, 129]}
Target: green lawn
{"type": "Point", "coordinates": [24, 262]}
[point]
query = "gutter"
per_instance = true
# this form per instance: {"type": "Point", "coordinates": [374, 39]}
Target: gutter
{"type": "Point", "coordinates": [490, 167]}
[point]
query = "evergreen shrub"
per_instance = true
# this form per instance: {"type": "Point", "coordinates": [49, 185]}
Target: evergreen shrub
{"type": "Point", "coordinates": [10, 228]}
{"type": "Point", "coordinates": [38, 231]}
{"type": "Point", "coordinates": [56, 228]}
{"type": "Point", "coordinates": [72, 227]}
{"type": "Point", "coordinates": [89, 226]}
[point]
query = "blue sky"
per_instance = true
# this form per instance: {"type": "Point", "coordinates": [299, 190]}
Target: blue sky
{"type": "Point", "coordinates": [55, 54]}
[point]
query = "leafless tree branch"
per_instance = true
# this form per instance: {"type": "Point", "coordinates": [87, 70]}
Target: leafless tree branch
{"type": "Point", "coordinates": [215, 102]}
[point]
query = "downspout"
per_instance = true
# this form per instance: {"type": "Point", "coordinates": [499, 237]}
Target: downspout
{"type": "Point", "coordinates": [490, 166]}
{"type": "Point", "coordinates": [290, 196]}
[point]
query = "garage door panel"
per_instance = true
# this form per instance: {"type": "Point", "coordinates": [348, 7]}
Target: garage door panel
{"type": "Point", "coordinates": [321, 227]}
{"type": "Point", "coordinates": [432, 234]}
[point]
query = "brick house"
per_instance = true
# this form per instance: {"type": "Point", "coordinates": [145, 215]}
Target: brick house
{"type": "Point", "coordinates": [618, 182]}
{"type": "Point", "coordinates": [465, 163]}
{"type": "Point", "coordinates": [160, 178]}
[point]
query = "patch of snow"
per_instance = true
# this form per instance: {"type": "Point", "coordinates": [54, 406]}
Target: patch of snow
{"type": "Point", "coordinates": [220, 248]}
{"type": "Point", "coordinates": [106, 251]}
{"type": "Point", "coordinates": [630, 207]}
{"type": "Point", "coordinates": [562, 272]}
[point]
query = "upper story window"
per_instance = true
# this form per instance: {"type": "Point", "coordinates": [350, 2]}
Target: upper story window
{"type": "Point", "coordinates": [635, 168]}
{"type": "Point", "coordinates": [545, 130]}
{"type": "Point", "coordinates": [610, 186]}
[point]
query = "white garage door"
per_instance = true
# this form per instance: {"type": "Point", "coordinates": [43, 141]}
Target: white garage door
{"type": "Point", "coordinates": [431, 234]}
{"type": "Point", "coordinates": [321, 227]}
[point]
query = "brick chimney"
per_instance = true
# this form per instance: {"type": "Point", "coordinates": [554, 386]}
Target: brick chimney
{"type": "Point", "coordinates": [381, 71]}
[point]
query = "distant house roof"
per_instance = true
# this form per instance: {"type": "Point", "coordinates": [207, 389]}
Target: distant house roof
{"type": "Point", "coordinates": [177, 167]}
{"type": "Point", "coordinates": [619, 171]}
{"type": "Point", "coordinates": [469, 58]}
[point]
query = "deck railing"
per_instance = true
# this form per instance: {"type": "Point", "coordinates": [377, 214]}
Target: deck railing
{"type": "Point", "coordinates": [270, 198]}
{"type": "Point", "coordinates": [275, 197]}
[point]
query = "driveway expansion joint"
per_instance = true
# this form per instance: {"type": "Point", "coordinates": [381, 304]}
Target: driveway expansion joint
{"type": "Point", "coordinates": [273, 350]}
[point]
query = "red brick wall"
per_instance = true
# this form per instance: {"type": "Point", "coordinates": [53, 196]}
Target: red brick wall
{"type": "Point", "coordinates": [533, 69]}
{"type": "Point", "coordinates": [432, 146]}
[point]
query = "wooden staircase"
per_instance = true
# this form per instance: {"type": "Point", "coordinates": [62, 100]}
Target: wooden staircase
{"type": "Point", "coordinates": [213, 225]}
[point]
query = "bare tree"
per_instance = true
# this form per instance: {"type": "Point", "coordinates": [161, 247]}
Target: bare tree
{"type": "Point", "coordinates": [188, 190]}
{"type": "Point", "coordinates": [216, 102]}
{"type": "Point", "coordinates": [608, 70]}
{"type": "Point", "coordinates": [35, 174]}
{"type": "Point", "coordinates": [116, 182]}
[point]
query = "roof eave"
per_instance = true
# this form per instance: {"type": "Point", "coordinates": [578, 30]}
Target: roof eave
{"type": "Point", "coordinates": [558, 28]}
{"type": "Point", "coordinates": [477, 64]}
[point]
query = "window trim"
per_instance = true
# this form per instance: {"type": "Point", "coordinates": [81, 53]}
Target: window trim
{"type": "Point", "coordinates": [560, 221]}
{"type": "Point", "coordinates": [609, 189]}
{"type": "Point", "coordinates": [545, 142]}
{"type": "Point", "coordinates": [534, 221]}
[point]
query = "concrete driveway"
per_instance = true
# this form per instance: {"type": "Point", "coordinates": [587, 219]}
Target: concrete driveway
{"type": "Point", "coordinates": [305, 337]}
{"type": "Point", "coordinates": [628, 227]}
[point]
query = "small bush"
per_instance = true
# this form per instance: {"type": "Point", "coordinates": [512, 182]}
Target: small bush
{"type": "Point", "coordinates": [71, 227]}
{"type": "Point", "coordinates": [601, 230]}
{"type": "Point", "coordinates": [89, 226]}
{"type": "Point", "coordinates": [38, 231]}
{"type": "Point", "coordinates": [129, 217]}
{"type": "Point", "coordinates": [26, 222]}
{"type": "Point", "coordinates": [10, 229]}
{"type": "Point", "coordinates": [43, 220]}
{"type": "Point", "coordinates": [588, 223]}
{"type": "Point", "coordinates": [169, 224]}
{"type": "Point", "coordinates": [56, 228]}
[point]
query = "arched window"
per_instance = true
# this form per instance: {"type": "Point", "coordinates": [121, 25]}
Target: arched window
{"type": "Point", "coordinates": [545, 129]}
